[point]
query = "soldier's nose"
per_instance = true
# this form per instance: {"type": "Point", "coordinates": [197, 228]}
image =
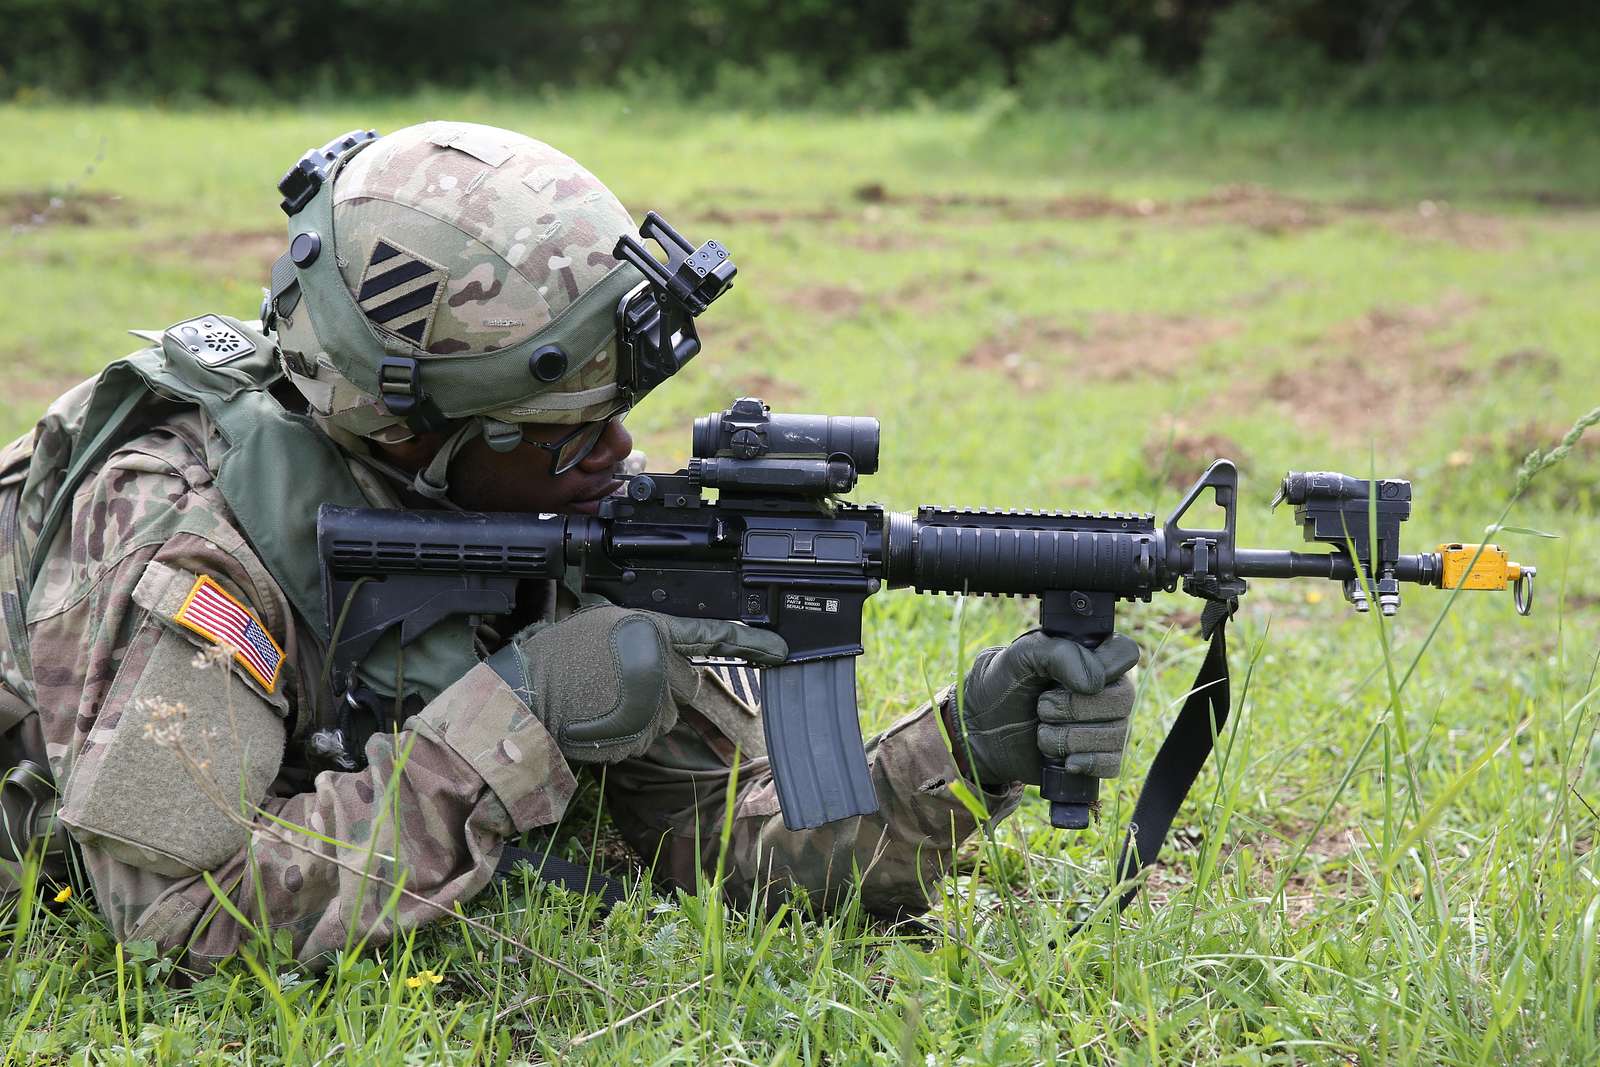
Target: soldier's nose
{"type": "Point", "coordinates": [612, 448]}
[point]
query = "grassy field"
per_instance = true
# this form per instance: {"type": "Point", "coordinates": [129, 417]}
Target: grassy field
{"type": "Point", "coordinates": [1070, 311]}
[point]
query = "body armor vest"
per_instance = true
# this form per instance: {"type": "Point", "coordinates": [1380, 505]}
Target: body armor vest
{"type": "Point", "coordinates": [278, 467]}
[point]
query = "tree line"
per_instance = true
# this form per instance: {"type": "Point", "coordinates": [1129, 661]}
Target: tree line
{"type": "Point", "coordinates": [868, 53]}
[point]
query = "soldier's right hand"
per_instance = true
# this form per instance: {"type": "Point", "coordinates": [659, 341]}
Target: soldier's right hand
{"type": "Point", "coordinates": [607, 681]}
{"type": "Point", "coordinates": [1044, 696]}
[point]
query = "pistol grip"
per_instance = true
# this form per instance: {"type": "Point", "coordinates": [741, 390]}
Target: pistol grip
{"type": "Point", "coordinates": [814, 742]}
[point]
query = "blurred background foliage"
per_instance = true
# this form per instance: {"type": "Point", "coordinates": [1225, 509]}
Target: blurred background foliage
{"type": "Point", "coordinates": [816, 53]}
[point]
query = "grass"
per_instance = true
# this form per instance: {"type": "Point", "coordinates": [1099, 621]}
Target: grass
{"type": "Point", "coordinates": [1392, 863]}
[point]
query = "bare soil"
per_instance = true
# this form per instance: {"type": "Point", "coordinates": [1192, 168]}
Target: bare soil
{"type": "Point", "coordinates": [1322, 872]}
{"type": "Point", "coordinates": [1247, 206]}
{"type": "Point", "coordinates": [780, 393]}
{"type": "Point", "coordinates": [1379, 371]}
{"type": "Point", "coordinates": [935, 293]}
{"type": "Point", "coordinates": [894, 239]}
{"type": "Point", "coordinates": [1525, 364]}
{"type": "Point", "coordinates": [767, 216]}
{"type": "Point", "coordinates": [831, 301]}
{"type": "Point", "coordinates": [1183, 453]}
{"type": "Point", "coordinates": [228, 254]}
{"type": "Point", "coordinates": [1575, 477]}
{"type": "Point", "coordinates": [1114, 346]}
{"type": "Point", "coordinates": [28, 209]}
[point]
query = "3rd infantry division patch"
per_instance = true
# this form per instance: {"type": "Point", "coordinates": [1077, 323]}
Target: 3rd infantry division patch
{"type": "Point", "coordinates": [400, 292]}
{"type": "Point", "coordinates": [213, 614]}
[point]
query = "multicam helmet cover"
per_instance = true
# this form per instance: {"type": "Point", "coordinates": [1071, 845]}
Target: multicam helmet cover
{"type": "Point", "coordinates": [455, 240]}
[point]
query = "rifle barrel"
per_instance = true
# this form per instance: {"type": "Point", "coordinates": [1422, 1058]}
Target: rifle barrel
{"type": "Point", "coordinates": [1422, 568]}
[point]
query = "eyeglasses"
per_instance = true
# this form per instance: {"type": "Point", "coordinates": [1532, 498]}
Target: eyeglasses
{"type": "Point", "coordinates": [573, 447]}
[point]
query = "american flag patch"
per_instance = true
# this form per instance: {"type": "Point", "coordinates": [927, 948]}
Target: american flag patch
{"type": "Point", "coordinates": [210, 612]}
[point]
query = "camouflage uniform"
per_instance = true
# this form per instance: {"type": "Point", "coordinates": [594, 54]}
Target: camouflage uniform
{"type": "Point", "coordinates": [436, 800]}
{"type": "Point", "coordinates": [179, 757]}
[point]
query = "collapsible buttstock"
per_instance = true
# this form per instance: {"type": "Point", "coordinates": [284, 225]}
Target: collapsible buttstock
{"type": "Point", "coordinates": [814, 742]}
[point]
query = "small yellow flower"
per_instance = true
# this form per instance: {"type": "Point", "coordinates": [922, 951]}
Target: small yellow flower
{"type": "Point", "coordinates": [424, 977]}
{"type": "Point", "coordinates": [1313, 596]}
{"type": "Point", "coordinates": [65, 894]}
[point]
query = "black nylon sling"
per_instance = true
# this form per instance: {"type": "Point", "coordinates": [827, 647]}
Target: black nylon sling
{"type": "Point", "coordinates": [565, 873]}
{"type": "Point", "coordinates": [1182, 755]}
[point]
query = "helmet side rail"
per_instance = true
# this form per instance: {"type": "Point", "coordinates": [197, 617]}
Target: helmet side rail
{"type": "Point", "coordinates": [753, 530]}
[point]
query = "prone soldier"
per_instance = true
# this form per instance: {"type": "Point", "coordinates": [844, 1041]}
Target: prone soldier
{"type": "Point", "coordinates": [445, 331]}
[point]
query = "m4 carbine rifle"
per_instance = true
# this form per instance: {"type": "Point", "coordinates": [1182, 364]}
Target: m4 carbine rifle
{"type": "Point", "coordinates": [775, 547]}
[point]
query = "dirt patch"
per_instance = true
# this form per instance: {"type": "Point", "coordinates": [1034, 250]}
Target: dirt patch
{"type": "Point", "coordinates": [31, 209]}
{"type": "Point", "coordinates": [936, 294]}
{"type": "Point", "coordinates": [1247, 206]}
{"type": "Point", "coordinates": [780, 393]}
{"type": "Point", "coordinates": [1180, 454]}
{"type": "Point", "coordinates": [1379, 372]}
{"type": "Point", "coordinates": [1551, 198]}
{"type": "Point", "coordinates": [1044, 246]}
{"type": "Point", "coordinates": [1437, 220]}
{"type": "Point", "coordinates": [894, 240]}
{"type": "Point", "coordinates": [1322, 872]}
{"type": "Point", "coordinates": [1253, 206]}
{"type": "Point", "coordinates": [1577, 476]}
{"type": "Point", "coordinates": [227, 254]}
{"type": "Point", "coordinates": [747, 339]}
{"type": "Point", "coordinates": [767, 216]}
{"type": "Point", "coordinates": [1265, 294]}
{"type": "Point", "coordinates": [830, 301]}
{"type": "Point", "coordinates": [1385, 330]}
{"type": "Point", "coordinates": [1525, 363]}
{"type": "Point", "coordinates": [1114, 346]}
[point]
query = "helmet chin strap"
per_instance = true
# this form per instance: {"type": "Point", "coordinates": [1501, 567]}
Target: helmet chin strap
{"type": "Point", "coordinates": [433, 481]}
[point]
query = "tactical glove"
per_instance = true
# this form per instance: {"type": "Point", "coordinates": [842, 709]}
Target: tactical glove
{"type": "Point", "coordinates": [606, 681]}
{"type": "Point", "coordinates": [1046, 696]}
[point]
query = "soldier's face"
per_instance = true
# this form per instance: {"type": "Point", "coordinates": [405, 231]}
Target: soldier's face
{"type": "Point", "coordinates": [482, 479]}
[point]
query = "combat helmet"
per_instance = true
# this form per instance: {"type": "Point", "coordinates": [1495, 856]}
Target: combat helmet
{"type": "Point", "coordinates": [463, 279]}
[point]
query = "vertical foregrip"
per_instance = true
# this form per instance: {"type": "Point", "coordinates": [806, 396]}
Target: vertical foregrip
{"type": "Point", "coordinates": [814, 742]}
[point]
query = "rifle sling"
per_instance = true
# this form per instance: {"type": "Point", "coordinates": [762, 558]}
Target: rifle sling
{"type": "Point", "coordinates": [557, 871]}
{"type": "Point", "coordinates": [1178, 763]}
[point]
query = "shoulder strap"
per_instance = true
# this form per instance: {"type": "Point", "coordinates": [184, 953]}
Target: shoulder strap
{"type": "Point", "coordinates": [85, 454]}
{"type": "Point", "coordinates": [1178, 763]}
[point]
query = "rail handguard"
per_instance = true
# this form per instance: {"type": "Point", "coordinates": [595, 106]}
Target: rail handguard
{"type": "Point", "coordinates": [775, 548]}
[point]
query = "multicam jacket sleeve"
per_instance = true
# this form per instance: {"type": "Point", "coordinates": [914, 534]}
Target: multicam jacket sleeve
{"type": "Point", "coordinates": [168, 749]}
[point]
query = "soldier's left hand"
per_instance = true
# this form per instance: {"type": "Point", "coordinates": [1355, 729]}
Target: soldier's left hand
{"type": "Point", "coordinates": [1046, 696]}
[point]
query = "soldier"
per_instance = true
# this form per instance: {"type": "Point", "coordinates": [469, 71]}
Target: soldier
{"type": "Point", "coordinates": [442, 333]}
